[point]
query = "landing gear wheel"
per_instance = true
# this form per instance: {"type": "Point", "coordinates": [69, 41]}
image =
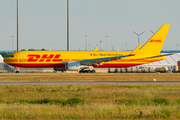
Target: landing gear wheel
{"type": "Point", "coordinates": [17, 71]}
{"type": "Point", "coordinates": [82, 71]}
{"type": "Point", "coordinates": [87, 71]}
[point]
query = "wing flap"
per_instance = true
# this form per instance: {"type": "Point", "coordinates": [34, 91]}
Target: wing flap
{"type": "Point", "coordinates": [160, 55]}
{"type": "Point", "coordinates": [153, 56]}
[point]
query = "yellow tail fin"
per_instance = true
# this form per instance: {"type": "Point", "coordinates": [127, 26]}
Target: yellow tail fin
{"type": "Point", "coordinates": [155, 43]}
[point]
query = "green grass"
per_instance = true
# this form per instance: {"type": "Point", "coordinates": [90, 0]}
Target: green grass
{"type": "Point", "coordinates": [89, 77]}
{"type": "Point", "coordinates": [91, 111]}
{"type": "Point", "coordinates": [90, 102]}
{"type": "Point", "coordinates": [72, 101]}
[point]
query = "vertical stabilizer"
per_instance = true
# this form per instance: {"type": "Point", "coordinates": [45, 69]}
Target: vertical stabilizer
{"type": "Point", "coordinates": [155, 43]}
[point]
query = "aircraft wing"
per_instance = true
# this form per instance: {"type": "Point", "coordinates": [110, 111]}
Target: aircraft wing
{"type": "Point", "coordinates": [100, 60]}
{"type": "Point", "coordinates": [153, 56]}
{"type": "Point", "coordinates": [108, 59]}
{"type": "Point", "coordinates": [161, 55]}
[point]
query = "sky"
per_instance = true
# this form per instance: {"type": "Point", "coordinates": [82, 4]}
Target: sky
{"type": "Point", "coordinates": [43, 23]}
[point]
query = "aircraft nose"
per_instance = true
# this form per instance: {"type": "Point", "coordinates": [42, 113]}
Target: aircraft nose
{"type": "Point", "coordinates": [5, 60]}
{"type": "Point", "coordinates": [8, 59]}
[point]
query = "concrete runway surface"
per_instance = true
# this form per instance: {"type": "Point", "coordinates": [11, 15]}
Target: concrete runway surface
{"type": "Point", "coordinates": [86, 82]}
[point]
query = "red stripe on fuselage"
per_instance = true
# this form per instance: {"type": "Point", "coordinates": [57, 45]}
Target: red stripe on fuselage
{"type": "Point", "coordinates": [50, 65]}
{"type": "Point", "coordinates": [36, 65]}
{"type": "Point", "coordinates": [119, 65]}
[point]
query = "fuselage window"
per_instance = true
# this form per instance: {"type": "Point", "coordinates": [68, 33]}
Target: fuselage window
{"type": "Point", "coordinates": [10, 56]}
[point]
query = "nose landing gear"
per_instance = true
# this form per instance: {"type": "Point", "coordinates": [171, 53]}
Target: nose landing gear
{"type": "Point", "coordinates": [16, 69]}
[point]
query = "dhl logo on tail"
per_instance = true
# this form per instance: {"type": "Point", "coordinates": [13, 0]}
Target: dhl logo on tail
{"type": "Point", "coordinates": [157, 41]}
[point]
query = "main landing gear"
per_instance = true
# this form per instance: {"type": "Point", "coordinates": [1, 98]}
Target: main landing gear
{"type": "Point", "coordinates": [16, 69]}
{"type": "Point", "coordinates": [87, 71]}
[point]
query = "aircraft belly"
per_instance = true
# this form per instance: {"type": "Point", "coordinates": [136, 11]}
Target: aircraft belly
{"type": "Point", "coordinates": [36, 65]}
{"type": "Point", "coordinates": [117, 65]}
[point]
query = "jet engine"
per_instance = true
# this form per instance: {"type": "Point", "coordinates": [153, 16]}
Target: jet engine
{"type": "Point", "coordinates": [72, 66]}
{"type": "Point", "coordinates": [60, 69]}
{"type": "Point", "coordinates": [75, 66]}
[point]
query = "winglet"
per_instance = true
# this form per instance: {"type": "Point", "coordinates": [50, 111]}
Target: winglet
{"type": "Point", "coordinates": [135, 50]}
{"type": "Point", "coordinates": [96, 49]}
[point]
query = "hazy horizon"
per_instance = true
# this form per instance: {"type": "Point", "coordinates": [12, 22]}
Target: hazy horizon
{"type": "Point", "coordinates": [42, 23]}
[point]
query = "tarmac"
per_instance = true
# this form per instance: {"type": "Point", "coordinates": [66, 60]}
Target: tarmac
{"type": "Point", "coordinates": [86, 82]}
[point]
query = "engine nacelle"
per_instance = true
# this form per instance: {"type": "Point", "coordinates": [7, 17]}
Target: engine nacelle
{"type": "Point", "coordinates": [73, 66]}
{"type": "Point", "coordinates": [60, 69]}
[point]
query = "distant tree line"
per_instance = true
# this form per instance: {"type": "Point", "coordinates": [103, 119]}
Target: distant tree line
{"type": "Point", "coordinates": [5, 54]}
{"type": "Point", "coordinates": [33, 50]}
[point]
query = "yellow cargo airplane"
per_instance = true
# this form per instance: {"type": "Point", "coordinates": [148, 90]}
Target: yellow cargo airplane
{"type": "Point", "coordinates": [85, 61]}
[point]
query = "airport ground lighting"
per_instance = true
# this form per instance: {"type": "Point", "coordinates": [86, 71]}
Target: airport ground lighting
{"type": "Point", "coordinates": [177, 46]}
{"type": "Point", "coordinates": [112, 46]}
{"type": "Point", "coordinates": [89, 46]}
{"type": "Point", "coordinates": [68, 33]}
{"type": "Point", "coordinates": [12, 42]}
{"type": "Point", "coordinates": [86, 42]}
{"type": "Point", "coordinates": [107, 42]}
{"type": "Point", "coordinates": [138, 36]}
{"type": "Point", "coordinates": [126, 45]}
{"type": "Point", "coordinates": [100, 45]}
{"type": "Point", "coordinates": [17, 25]}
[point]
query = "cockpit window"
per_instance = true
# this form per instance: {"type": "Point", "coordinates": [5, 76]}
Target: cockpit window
{"type": "Point", "coordinates": [10, 56]}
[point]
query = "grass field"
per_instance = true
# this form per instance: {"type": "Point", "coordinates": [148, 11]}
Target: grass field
{"type": "Point", "coordinates": [90, 76]}
{"type": "Point", "coordinates": [90, 102]}
{"type": "Point", "coordinates": [102, 102]}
